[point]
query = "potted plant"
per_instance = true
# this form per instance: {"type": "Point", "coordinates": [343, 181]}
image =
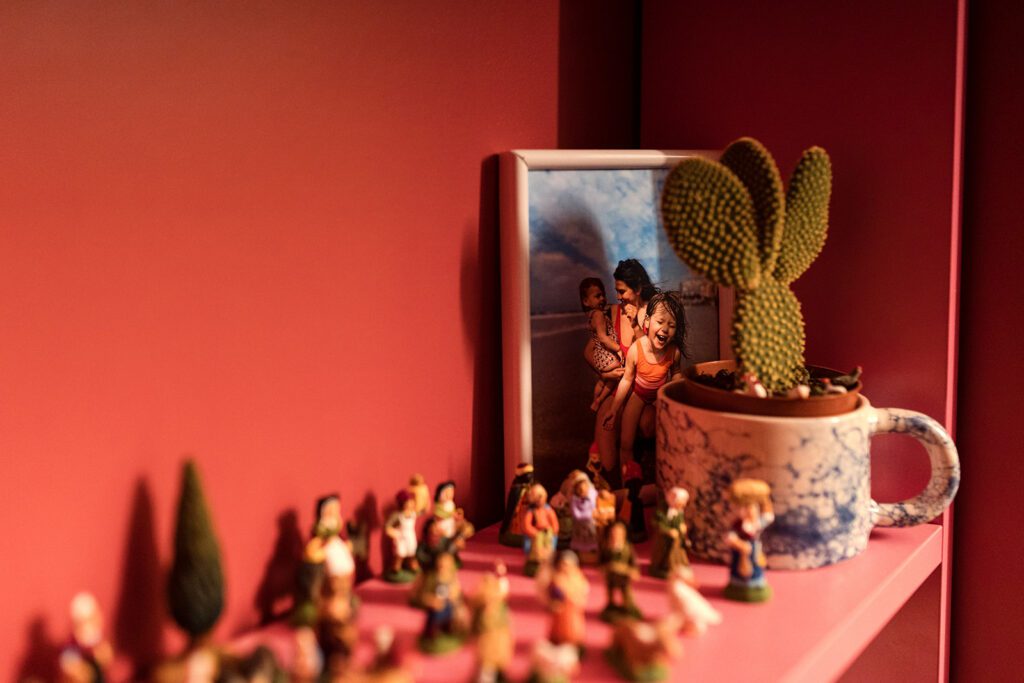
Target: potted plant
{"type": "Point", "coordinates": [733, 222]}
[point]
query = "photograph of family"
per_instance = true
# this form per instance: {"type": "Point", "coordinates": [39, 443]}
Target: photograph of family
{"type": "Point", "coordinates": [614, 315]}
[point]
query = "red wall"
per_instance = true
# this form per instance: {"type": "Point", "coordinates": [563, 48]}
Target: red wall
{"type": "Point", "coordinates": [260, 233]}
{"type": "Point", "coordinates": [988, 574]}
{"type": "Point", "coordinates": [874, 83]}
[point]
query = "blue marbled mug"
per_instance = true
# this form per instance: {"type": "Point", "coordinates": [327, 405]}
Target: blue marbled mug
{"type": "Point", "coordinates": [819, 469]}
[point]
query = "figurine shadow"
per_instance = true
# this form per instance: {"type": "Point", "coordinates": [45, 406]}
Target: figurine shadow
{"type": "Point", "coordinates": [276, 591]}
{"type": "Point", "coordinates": [366, 514]}
{"type": "Point", "coordinates": [40, 659]}
{"type": "Point", "coordinates": [138, 617]}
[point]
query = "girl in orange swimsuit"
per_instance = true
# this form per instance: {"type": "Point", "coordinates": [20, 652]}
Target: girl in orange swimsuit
{"type": "Point", "coordinates": [651, 361]}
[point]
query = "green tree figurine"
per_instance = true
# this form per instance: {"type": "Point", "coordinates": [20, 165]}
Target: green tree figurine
{"type": "Point", "coordinates": [196, 587]}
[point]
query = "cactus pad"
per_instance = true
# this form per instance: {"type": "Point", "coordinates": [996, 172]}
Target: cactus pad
{"type": "Point", "coordinates": [806, 214]}
{"type": "Point", "coordinates": [756, 169]}
{"type": "Point", "coordinates": [768, 335]}
{"type": "Point", "coordinates": [709, 217]}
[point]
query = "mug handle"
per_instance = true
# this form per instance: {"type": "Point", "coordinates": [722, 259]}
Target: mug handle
{"type": "Point", "coordinates": [945, 479]}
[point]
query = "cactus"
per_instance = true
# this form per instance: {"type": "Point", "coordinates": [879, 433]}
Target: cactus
{"type": "Point", "coordinates": [732, 222]}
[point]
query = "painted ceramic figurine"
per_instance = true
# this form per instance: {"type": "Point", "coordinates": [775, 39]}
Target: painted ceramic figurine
{"type": "Point", "coordinates": [401, 529]}
{"type": "Point", "coordinates": [752, 501]}
{"type": "Point", "coordinates": [442, 601]}
{"type": "Point", "coordinates": [563, 590]}
{"type": "Point", "coordinates": [491, 627]}
{"type": "Point", "coordinates": [584, 529]}
{"type": "Point", "coordinates": [695, 613]}
{"type": "Point", "coordinates": [643, 651]}
{"type": "Point", "coordinates": [669, 551]}
{"type": "Point", "coordinates": [420, 493]}
{"type": "Point", "coordinates": [604, 514]}
{"type": "Point", "coordinates": [540, 527]}
{"type": "Point", "coordinates": [511, 532]}
{"type": "Point", "coordinates": [336, 629]}
{"type": "Point", "coordinates": [596, 469]}
{"type": "Point", "coordinates": [632, 512]}
{"type": "Point", "coordinates": [550, 663]}
{"type": "Point", "coordinates": [87, 656]}
{"type": "Point", "coordinates": [388, 665]}
{"type": "Point", "coordinates": [618, 561]}
{"type": "Point", "coordinates": [327, 547]}
{"type": "Point", "coordinates": [308, 660]}
{"type": "Point", "coordinates": [450, 521]}
{"type": "Point", "coordinates": [561, 502]}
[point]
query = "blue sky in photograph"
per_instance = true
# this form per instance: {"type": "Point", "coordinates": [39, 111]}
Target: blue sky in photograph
{"type": "Point", "coordinates": [583, 222]}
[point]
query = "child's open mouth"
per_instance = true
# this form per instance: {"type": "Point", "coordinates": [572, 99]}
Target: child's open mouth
{"type": "Point", "coordinates": [662, 338]}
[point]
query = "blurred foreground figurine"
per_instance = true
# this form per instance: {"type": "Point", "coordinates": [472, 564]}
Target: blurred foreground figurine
{"type": "Point", "coordinates": [642, 651]}
{"type": "Point", "coordinates": [450, 521]}
{"type": "Point", "coordinates": [491, 626]}
{"type": "Point", "coordinates": [550, 663]}
{"type": "Point", "coordinates": [441, 598]}
{"type": "Point", "coordinates": [540, 527]}
{"type": "Point", "coordinates": [563, 589]}
{"type": "Point", "coordinates": [401, 529]}
{"type": "Point", "coordinates": [669, 552]}
{"type": "Point", "coordinates": [511, 532]}
{"type": "Point", "coordinates": [327, 548]}
{"type": "Point", "coordinates": [308, 660]}
{"type": "Point", "coordinates": [618, 561]}
{"type": "Point", "coordinates": [584, 529]}
{"type": "Point", "coordinates": [604, 515]}
{"type": "Point", "coordinates": [695, 613]}
{"type": "Point", "coordinates": [388, 664]}
{"type": "Point", "coordinates": [752, 503]}
{"type": "Point", "coordinates": [87, 656]}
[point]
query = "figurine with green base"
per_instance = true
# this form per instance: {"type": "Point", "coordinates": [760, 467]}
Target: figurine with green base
{"type": "Point", "coordinates": [540, 530]}
{"type": "Point", "coordinates": [401, 529]}
{"type": "Point", "coordinates": [642, 651]}
{"type": "Point", "coordinates": [443, 630]}
{"type": "Point", "coordinates": [753, 503]}
{"type": "Point", "coordinates": [669, 552]}
{"type": "Point", "coordinates": [618, 561]}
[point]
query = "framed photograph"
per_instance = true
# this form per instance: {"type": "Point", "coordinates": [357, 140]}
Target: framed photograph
{"type": "Point", "coordinates": [569, 219]}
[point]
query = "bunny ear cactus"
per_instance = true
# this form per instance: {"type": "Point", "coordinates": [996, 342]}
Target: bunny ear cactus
{"type": "Point", "coordinates": [732, 222]}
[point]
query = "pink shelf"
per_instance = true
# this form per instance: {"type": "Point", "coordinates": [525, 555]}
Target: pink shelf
{"type": "Point", "coordinates": [816, 625]}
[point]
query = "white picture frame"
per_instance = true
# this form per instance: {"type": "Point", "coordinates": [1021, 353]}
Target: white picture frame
{"type": "Point", "coordinates": [553, 173]}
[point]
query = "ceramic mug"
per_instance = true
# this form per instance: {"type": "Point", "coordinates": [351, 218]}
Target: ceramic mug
{"type": "Point", "coordinates": [819, 469]}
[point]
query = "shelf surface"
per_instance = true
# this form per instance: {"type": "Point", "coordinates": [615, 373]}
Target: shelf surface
{"type": "Point", "coordinates": [813, 628]}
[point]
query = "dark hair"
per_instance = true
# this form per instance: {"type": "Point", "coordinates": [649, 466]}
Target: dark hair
{"type": "Point", "coordinates": [403, 497]}
{"type": "Point", "coordinates": [671, 301]}
{"type": "Point", "coordinates": [585, 284]}
{"type": "Point", "coordinates": [636, 278]}
{"type": "Point", "coordinates": [441, 487]}
{"type": "Point", "coordinates": [321, 502]}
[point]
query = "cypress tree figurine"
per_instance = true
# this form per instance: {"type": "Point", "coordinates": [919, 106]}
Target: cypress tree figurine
{"type": "Point", "coordinates": [195, 590]}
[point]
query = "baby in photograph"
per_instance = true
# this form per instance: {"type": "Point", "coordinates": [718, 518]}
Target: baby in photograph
{"type": "Point", "coordinates": [602, 350]}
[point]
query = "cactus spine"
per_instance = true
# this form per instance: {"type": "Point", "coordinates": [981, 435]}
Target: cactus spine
{"type": "Point", "coordinates": [732, 222]}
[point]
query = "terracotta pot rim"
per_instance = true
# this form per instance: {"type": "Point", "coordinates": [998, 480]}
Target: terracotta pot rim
{"type": "Point", "coordinates": [698, 395]}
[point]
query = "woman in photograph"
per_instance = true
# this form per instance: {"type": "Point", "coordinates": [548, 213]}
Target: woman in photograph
{"type": "Point", "coordinates": [635, 289]}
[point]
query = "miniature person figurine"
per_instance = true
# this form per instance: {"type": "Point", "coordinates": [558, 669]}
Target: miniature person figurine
{"type": "Point", "coordinates": [420, 493]}
{"type": "Point", "coordinates": [388, 665]}
{"type": "Point", "coordinates": [669, 552]}
{"type": "Point", "coordinates": [88, 655]}
{"type": "Point", "coordinates": [442, 600]}
{"type": "Point", "coordinates": [564, 590]}
{"type": "Point", "coordinates": [632, 512]}
{"type": "Point", "coordinates": [401, 529]}
{"type": "Point", "coordinates": [550, 663]}
{"type": "Point", "coordinates": [336, 628]}
{"type": "Point", "coordinates": [584, 529]}
{"type": "Point", "coordinates": [444, 508]}
{"type": "Point", "coordinates": [752, 500]}
{"type": "Point", "coordinates": [511, 532]}
{"type": "Point", "coordinates": [308, 660]}
{"type": "Point", "coordinates": [604, 514]}
{"type": "Point", "coordinates": [618, 560]}
{"type": "Point", "coordinates": [540, 526]}
{"type": "Point", "coordinates": [695, 612]}
{"type": "Point", "coordinates": [561, 502]}
{"type": "Point", "coordinates": [327, 547]}
{"type": "Point", "coordinates": [596, 469]}
{"type": "Point", "coordinates": [490, 625]}
{"type": "Point", "coordinates": [643, 651]}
